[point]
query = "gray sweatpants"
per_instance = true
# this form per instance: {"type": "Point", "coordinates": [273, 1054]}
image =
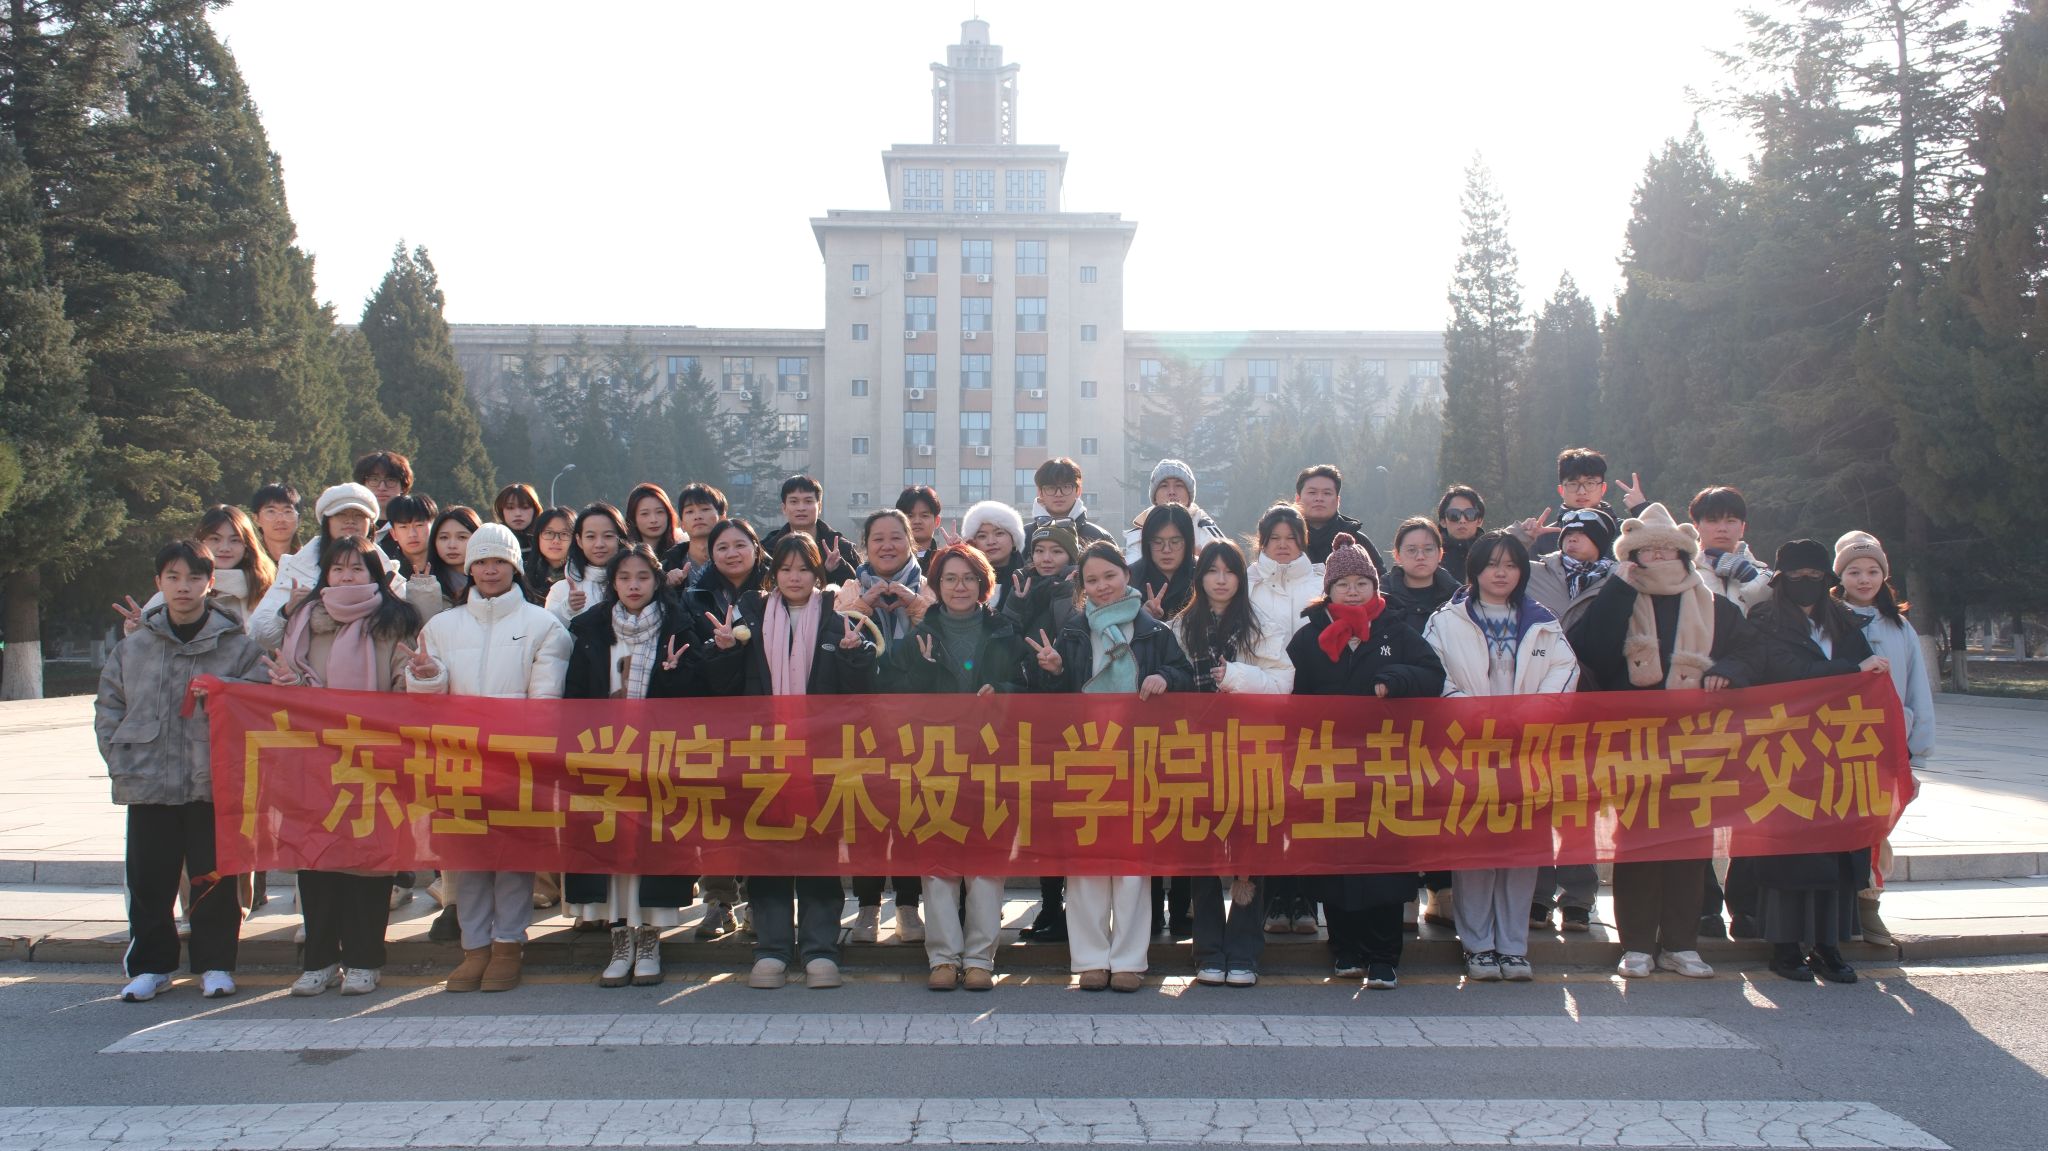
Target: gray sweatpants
{"type": "Point", "coordinates": [1492, 908]}
{"type": "Point", "coordinates": [493, 906]}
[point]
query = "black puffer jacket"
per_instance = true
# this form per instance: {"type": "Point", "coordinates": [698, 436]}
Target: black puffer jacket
{"type": "Point", "coordinates": [1395, 654]}
{"type": "Point", "coordinates": [835, 670]}
{"type": "Point", "coordinates": [590, 659]}
{"type": "Point", "coordinates": [997, 660]}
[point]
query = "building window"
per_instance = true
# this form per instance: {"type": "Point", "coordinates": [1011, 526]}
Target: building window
{"type": "Point", "coordinates": [920, 477]}
{"type": "Point", "coordinates": [742, 482]}
{"type": "Point", "coordinates": [1031, 257]}
{"type": "Point", "coordinates": [739, 373]}
{"type": "Point", "coordinates": [1425, 369]}
{"type": "Point", "coordinates": [974, 190]}
{"type": "Point", "coordinates": [1087, 333]}
{"type": "Point", "coordinates": [975, 484]}
{"type": "Point", "coordinates": [1265, 376]}
{"type": "Point", "coordinates": [977, 257]}
{"type": "Point", "coordinates": [920, 371]}
{"type": "Point", "coordinates": [1148, 375]}
{"type": "Point", "coordinates": [860, 387]}
{"type": "Point", "coordinates": [1087, 273]}
{"type": "Point", "coordinates": [919, 312]}
{"type": "Point", "coordinates": [792, 373]}
{"type": "Point", "coordinates": [919, 428]}
{"type": "Point", "coordinates": [1031, 371]}
{"type": "Point", "coordinates": [924, 190]}
{"type": "Point", "coordinates": [1030, 313]}
{"type": "Point", "coordinates": [1088, 389]}
{"type": "Point", "coordinates": [976, 372]}
{"type": "Point", "coordinates": [1088, 445]}
{"type": "Point", "coordinates": [860, 331]}
{"type": "Point", "coordinates": [974, 429]}
{"type": "Point", "coordinates": [1030, 429]}
{"type": "Point", "coordinates": [857, 499]}
{"type": "Point", "coordinates": [977, 313]}
{"type": "Point", "coordinates": [1318, 372]}
{"type": "Point", "coordinates": [860, 445]}
{"type": "Point", "coordinates": [860, 272]}
{"type": "Point", "coordinates": [796, 431]}
{"type": "Point", "coordinates": [1024, 190]}
{"type": "Point", "coordinates": [680, 366]}
{"type": "Point", "coordinates": [1024, 482]}
{"type": "Point", "coordinates": [921, 256]}
{"type": "Point", "coordinates": [1372, 369]}
{"type": "Point", "coordinates": [1211, 373]}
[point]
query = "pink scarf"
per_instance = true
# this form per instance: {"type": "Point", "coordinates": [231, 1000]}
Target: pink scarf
{"type": "Point", "coordinates": [352, 661]}
{"type": "Point", "coordinates": [792, 642]}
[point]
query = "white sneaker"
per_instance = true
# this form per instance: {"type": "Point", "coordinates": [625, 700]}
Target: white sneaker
{"type": "Point", "coordinates": [217, 985]}
{"type": "Point", "coordinates": [359, 980]}
{"type": "Point", "coordinates": [821, 973]}
{"type": "Point", "coordinates": [299, 936]}
{"type": "Point", "coordinates": [909, 925]}
{"type": "Point", "coordinates": [144, 988]}
{"type": "Point", "coordinates": [1213, 976]}
{"type": "Point", "coordinates": [316, 981]}
{"type": "Point", "coordinates": [867, 925]}
{"type": "Point", "coordinates": [1686, 963]}
{"type": "Point", "coordinates": [1634, 965]}
{"type": "Point", "coordinates": [768, 974]}
{"type": "Point", "coordinates": [1241, 977]}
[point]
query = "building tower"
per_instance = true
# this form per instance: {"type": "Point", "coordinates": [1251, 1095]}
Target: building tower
{"type": "Point", "coordinates": [974, 328]}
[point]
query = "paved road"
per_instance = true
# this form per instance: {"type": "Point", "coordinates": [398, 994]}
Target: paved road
{"type": "Point", "coordinates": [1927, 1057]}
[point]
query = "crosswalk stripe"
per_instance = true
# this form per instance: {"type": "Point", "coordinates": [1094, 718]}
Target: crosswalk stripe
{"type": "Point", "coordinates": [824, 1122]}
{"type": "Point", "coordinates": [897, 1029]}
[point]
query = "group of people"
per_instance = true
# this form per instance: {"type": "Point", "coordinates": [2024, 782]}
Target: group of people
{"type": "Point", "coordinates": [666, 597]}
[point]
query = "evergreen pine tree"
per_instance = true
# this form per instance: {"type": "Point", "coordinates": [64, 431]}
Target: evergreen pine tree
{"type": "Point", "coordinates": [1558, 403]}
{"type": "Point", "coordinates": [1483, 345]}
{"type": "Point", "coordinates": [760, 442]}
{"type": "Point", "coordinates": [420, 379]}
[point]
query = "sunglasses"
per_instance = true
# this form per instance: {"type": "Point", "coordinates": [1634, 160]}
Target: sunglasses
{"type": "Point", "coordinates": [1461, 515]}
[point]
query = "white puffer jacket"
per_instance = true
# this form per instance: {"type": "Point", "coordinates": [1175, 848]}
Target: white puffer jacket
{"type": "Point", "coordinates": [1544, 661]}
{"type": "Point", "coordinates": [301, 569]}
{"type": "Point", "coordinates": [1280, 593]}
{"type": "Point", "coordinates": [590, 583]}
{"type": "Point", "coordinates": [505, 648]}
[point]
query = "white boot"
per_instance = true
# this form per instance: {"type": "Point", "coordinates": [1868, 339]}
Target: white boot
{"type": "Point", "coordinates": [867, 926]}
{"type": "Point", "coordinates": [619, 971]}
{"type": "Point", "coordinates": [646, 956]}
{"type": "Point", "coordinates": [909, 924]}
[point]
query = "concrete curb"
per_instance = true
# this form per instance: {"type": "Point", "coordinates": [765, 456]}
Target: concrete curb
{"type": "Point", "coordinates": [2009, 702]}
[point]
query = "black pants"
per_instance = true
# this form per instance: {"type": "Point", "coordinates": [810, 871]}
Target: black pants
{"type": "Point", "coordinates": [345, 917]}
{"type": "Point", "coordinates": [1369, 935]}
{"type": "Point", "coordinates": [165, 840]}
{"type": "Point", "coordinates": [1741, 893]}
{"type": "Point", "coordinates": [1052, 893]}
{"type": "Point", "coordinates": [867, 889]}
{"type": "Point", "coordinates": [1653, 904]}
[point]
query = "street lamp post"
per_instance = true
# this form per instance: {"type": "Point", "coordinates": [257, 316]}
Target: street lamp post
{"type": "Point", "coordinates": [566, 469]}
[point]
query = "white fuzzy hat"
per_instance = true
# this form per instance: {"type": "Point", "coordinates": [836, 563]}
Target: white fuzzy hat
{"type": "Point", "coordinates": [346, 498]}
{"type": "Point", "coordinates": [1000, 514]}
{"type": "Point", "coordinates": [492, 542]}
{"type": "Point", "coordinates": [1656, 528]}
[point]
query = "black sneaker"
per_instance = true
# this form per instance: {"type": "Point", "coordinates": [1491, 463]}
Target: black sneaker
{"type": "Point", "coordinates": [1788, 963]}
{"type": "Point", "coordinates": [1539, 916]}
{"type": "Point", "coordinates": [1382, 977]}
{"type": "Point", "coordinates": [1180, 926]}
{"type": "Point", "coordinates": [1744, 927]}
{"type": "Point", "coordinates": [1827, 962]}
{"type": "Point", "coordinates": [1711, 927]}
{"type": "Point", "coordinates": [1577, 919]}
{"type": "Point", "coordinates": [445, 928]}
{"type": "Point", "coordinates": [1347, 967]}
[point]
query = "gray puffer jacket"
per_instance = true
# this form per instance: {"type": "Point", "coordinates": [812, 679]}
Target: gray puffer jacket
{"type": "Point", "coordinates": [153, 754]}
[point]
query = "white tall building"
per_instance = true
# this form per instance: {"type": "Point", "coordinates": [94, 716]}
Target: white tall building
{"type": "Point", "coordinates": [973, 329]}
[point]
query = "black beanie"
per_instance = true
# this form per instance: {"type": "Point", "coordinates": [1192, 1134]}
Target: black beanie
{"type": "Point", "coordinates": [1796, 554]}
{"type": "Point", "coordinates": [1598, 526]}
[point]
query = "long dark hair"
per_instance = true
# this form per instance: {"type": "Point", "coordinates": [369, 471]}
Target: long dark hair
{"type": "Point", "coordinates": [1234, 632]}
{"type": "Point", "coordinates": [1833, 616]}
{"type": "Point", "coordinates": [578, 563]}
{"type": "Point", "coordinates": [394, 618]}
{"type": "Point", "coordinates": [639, 551]}
{"type": "Point", "coordinates": [1886, 601]}
{"type": "Point", "coordinates": [1158, 519]}
{"type": "Point", "coordinates": [453, 578]}
{"type": "Point", "coordinates": [1484, 549]}
{"type": "Point", "coordinates": [798, 544]}
{"type": "Point", "coordinates": [675, 527]}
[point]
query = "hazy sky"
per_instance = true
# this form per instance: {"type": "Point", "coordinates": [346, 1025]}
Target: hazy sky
{"type": "Point", "coordinates": [1289, 165]}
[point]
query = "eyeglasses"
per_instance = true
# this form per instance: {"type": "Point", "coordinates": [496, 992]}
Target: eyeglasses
{"type": "Point", "coordinates": [1583, 485]}
{"type": "Point", "coordinates": [1170, 543]}
{"type": "Point", "coordinates": [1061, 490]}
{"type": "Point", "coordinates": [1417, 551]}
{"type": "Point", "coordinates": [1462, 515]}
{"type": "Point", "coordinates": [959, 579]}
{"type": "Point", "coordinates": [555, 537]}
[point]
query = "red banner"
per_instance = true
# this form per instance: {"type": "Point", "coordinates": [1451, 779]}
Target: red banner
{"type": "Point", "coordinates": [1048, 784]}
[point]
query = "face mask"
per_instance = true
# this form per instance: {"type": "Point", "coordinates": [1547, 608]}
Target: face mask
{"type": "Point", "coordinates": [1805, 593]}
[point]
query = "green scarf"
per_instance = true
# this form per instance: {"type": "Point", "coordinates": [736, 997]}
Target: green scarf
{"type": "Point", "coordinates": [1110, 630]}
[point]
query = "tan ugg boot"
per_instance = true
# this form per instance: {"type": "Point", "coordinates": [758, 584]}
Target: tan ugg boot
{"type": "Point", "coordinates": [502, 973]}
{"type": "Point", "coordinates": [469, 974]}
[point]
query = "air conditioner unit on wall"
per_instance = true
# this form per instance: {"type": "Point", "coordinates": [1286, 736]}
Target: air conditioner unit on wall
{"type": "Point", "coordinates": [969, 335]}
{"type": "Point", "coordinates": [909, 333]}
{"type": "Point", "coordinates": [981, 449]}
{"type": "Point", "coordinates": [1037, 393]}
{"type": "Point", "coordinates": [1135, 386]}
{"type": "Point", "coordinates": [746, 395]}
{"type": "Point", "coordinates": [916, 393]}
{"type": "Point", "coordinates": [910, 275]}
{"type": "Point", "coordinates": [802, 396]}
{"type": "Point", "coordinates": [984, 278]}
{"type": "Point", "coordinates": [924, 449]}
{"type": "Point", "coordinates": [860, 289]}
